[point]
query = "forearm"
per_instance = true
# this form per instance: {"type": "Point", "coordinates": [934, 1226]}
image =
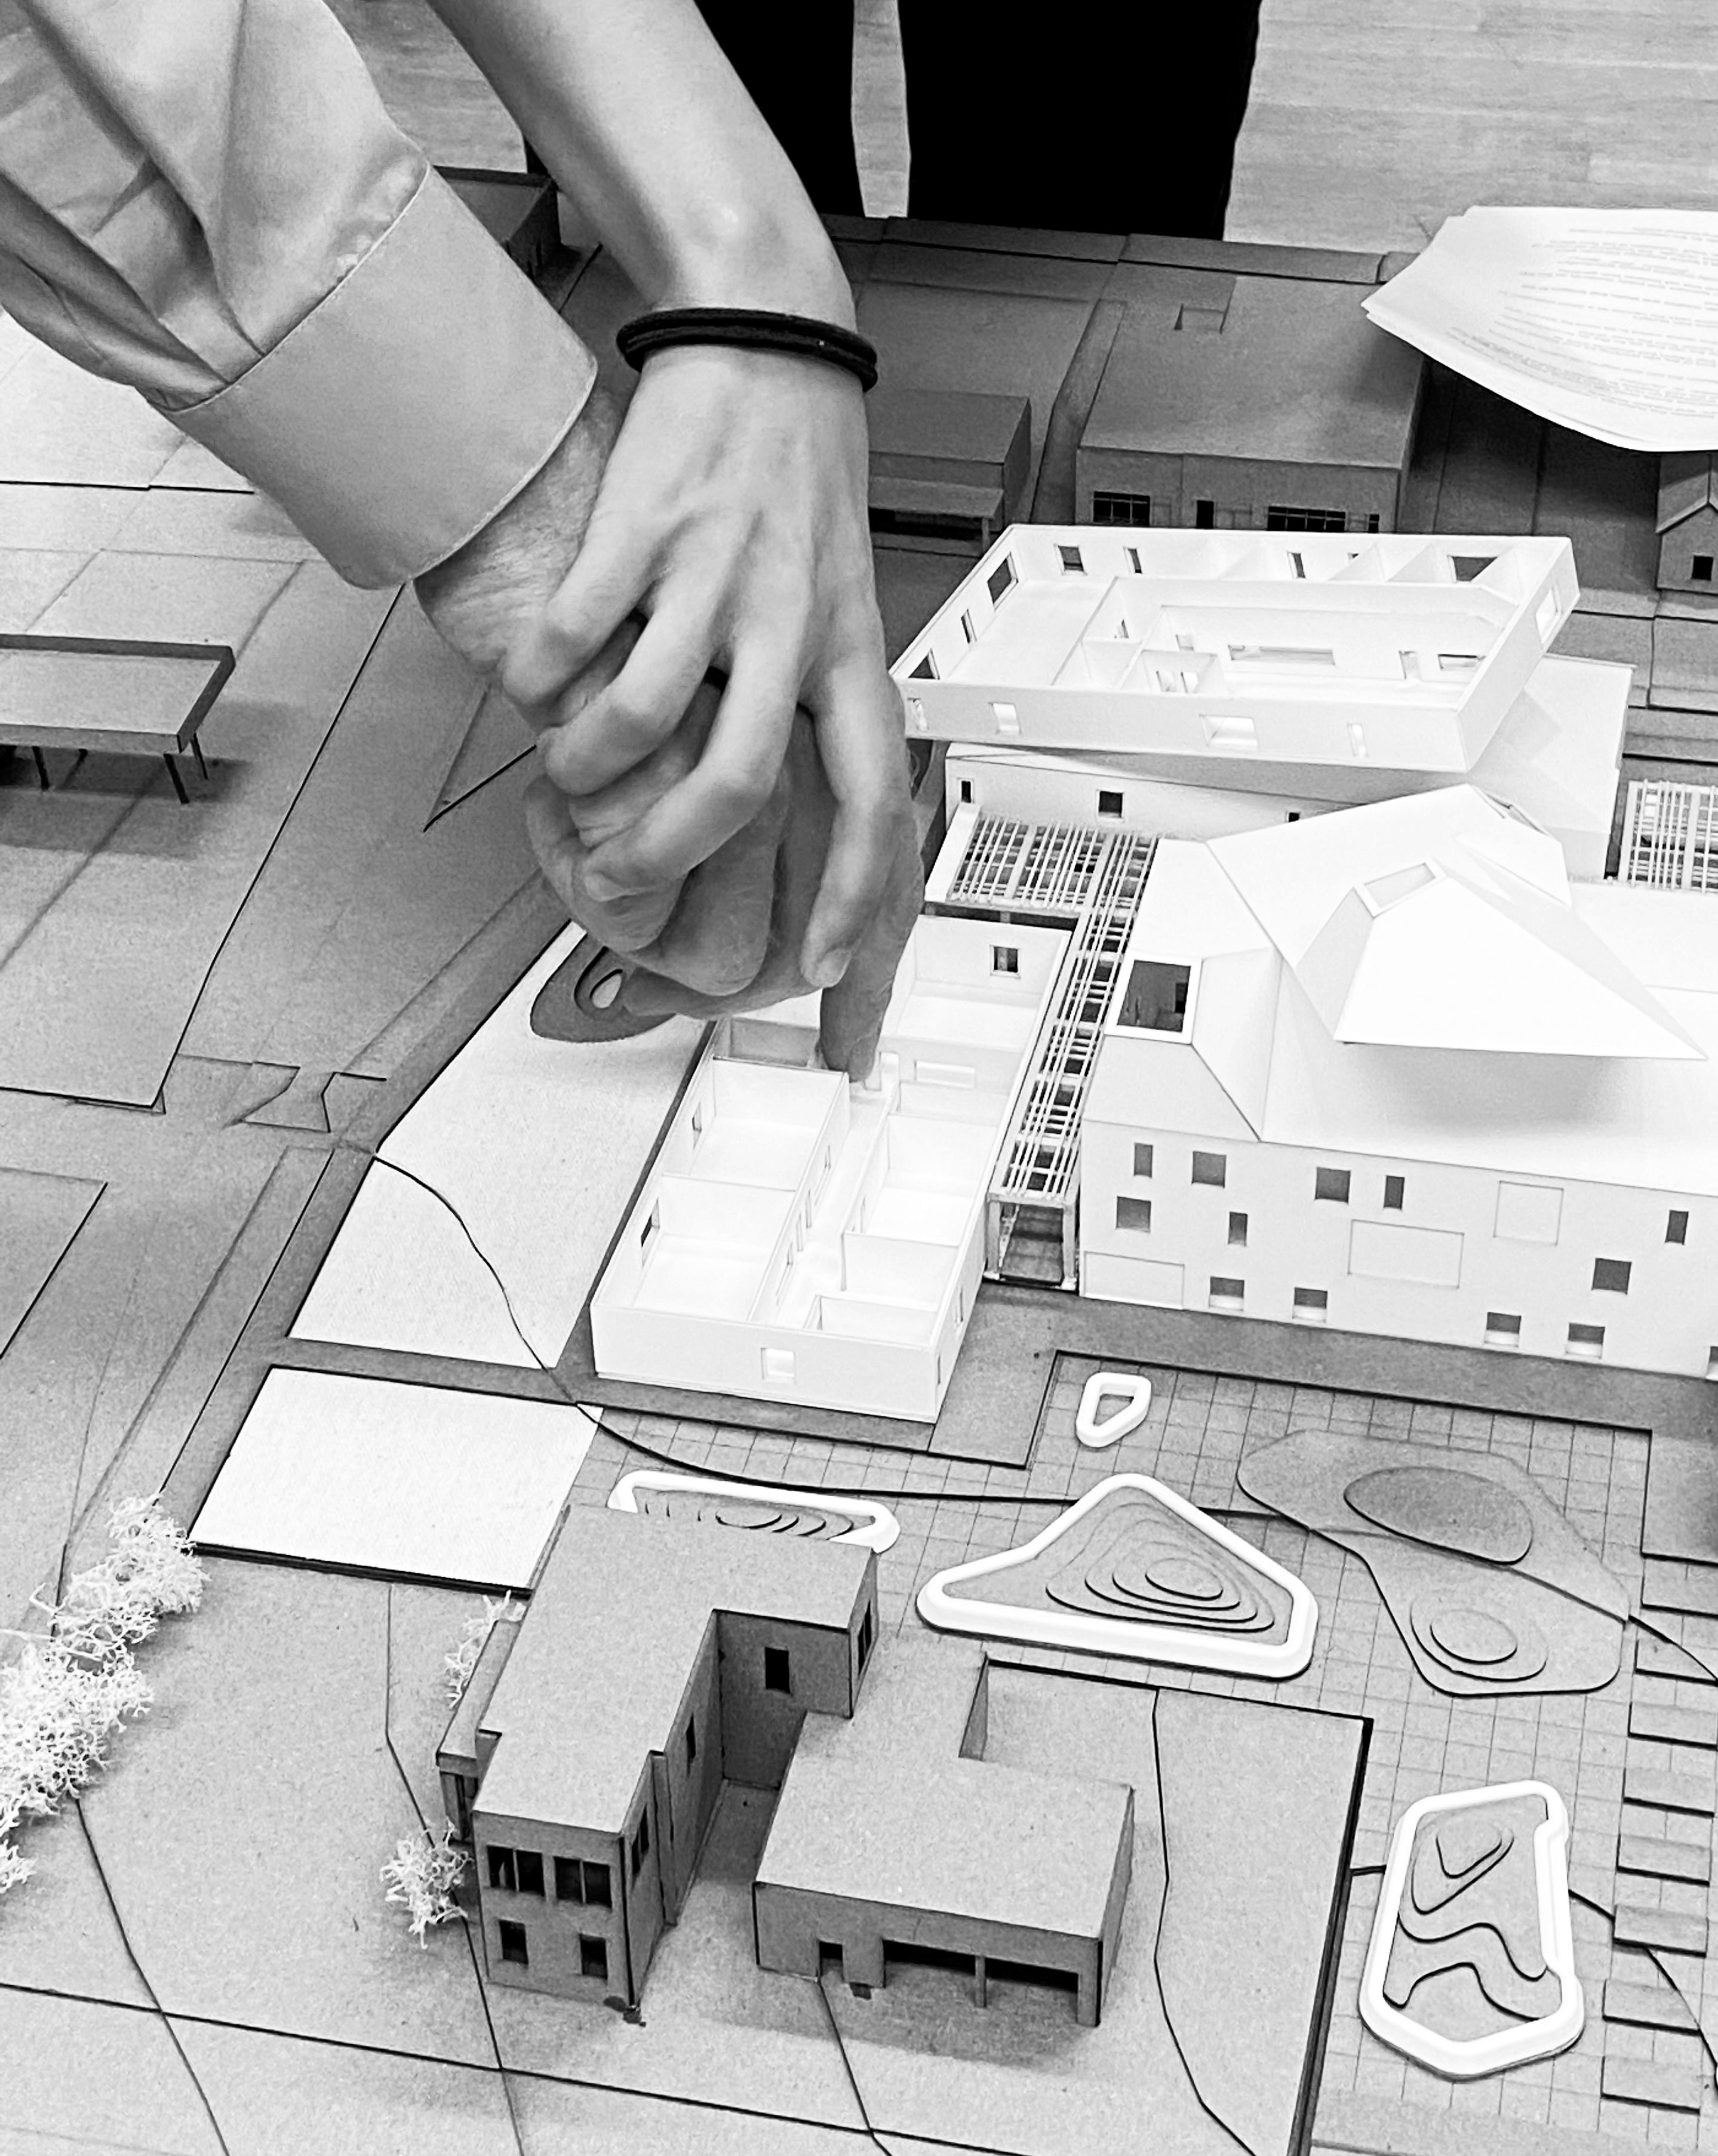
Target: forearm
{"type": "Point", "coordinates": [636, 112]}
{"type": "Point", "coordinates": [204, 200]}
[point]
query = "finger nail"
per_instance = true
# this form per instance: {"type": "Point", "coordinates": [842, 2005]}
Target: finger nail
{"type": "Point", "coordinates": [824, 972]}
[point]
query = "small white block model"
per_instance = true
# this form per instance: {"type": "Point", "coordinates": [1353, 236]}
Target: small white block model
{"type": "Point", "coordinates": [1146, 1584]}
{"type": "Point", "coordinates": [1132, 1399]}
{"type": "Point", "coordinates": [1395, 654]}
{"type": "Point", "coordinates": [874, 1527]}
{"type": "Point", "coordinates": [1518, 2041]}
{"type": "Point", "coordinates": [800, 1239]}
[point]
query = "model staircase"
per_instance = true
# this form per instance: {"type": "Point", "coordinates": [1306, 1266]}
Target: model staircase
{"type": "Point", "coordinates": [1090, 879]}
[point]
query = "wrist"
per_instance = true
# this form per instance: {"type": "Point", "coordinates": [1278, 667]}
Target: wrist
{"type": "Point", "coordinates": [784, 263]}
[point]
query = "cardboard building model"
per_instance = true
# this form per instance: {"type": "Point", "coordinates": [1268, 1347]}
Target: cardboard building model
{"type": "Point", "coordinates": [659, 1658]}
{"type": "Point", "coordinates": [1282, 409]}
{"type": "Point", "coordinates": [799, 1238]}
{"type": "Point", "coordinates": [1688, 521]}
{"type": "Point", "coordinates": [1388, 1069]}
{"type": "Point", "coordinates": [1276, 654]}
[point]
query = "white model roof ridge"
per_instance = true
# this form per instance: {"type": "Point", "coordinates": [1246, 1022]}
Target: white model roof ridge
{"type": "Point", "coordinates": [1449, 925]}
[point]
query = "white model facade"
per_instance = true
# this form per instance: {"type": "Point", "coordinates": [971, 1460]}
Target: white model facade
{"type": "Point", "coordinates": [1557, 757]}
{"type": "Point", "coordinates": [801, 1238]}
{"type": "Point", "coordinates": [1290, 649]}
{"type": "Point", "coordinates": [1387, 1070]}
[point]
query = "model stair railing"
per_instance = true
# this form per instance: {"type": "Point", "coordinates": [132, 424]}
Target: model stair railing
{"type": "Point", "coordinates": [1670, 836]}
{"type": "Point", "coordinates": [1052, 871]}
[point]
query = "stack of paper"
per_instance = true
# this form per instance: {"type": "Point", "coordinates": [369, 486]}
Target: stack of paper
{"type": "Point", "coordinates": [1603, 321]}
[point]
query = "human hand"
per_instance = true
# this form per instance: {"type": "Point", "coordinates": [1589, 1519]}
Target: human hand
{"type": "Point", "coordinates": [732, 512]}
{"type": "Point", "coordinates": [733, 938]}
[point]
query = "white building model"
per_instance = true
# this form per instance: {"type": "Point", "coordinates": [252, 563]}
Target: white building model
{"type": "Point", "coordinates": [1280, 650]}
{"type": "Point", "coordinates": [799, 1238]}
{"type": "Point", "coordinates": [1386, 1069]}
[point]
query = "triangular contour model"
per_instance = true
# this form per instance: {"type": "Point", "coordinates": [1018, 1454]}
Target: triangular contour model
{"type": "Point", "coordinates": [1134, 1570]}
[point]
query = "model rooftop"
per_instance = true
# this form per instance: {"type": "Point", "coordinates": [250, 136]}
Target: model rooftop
{"type": "Point", "coordinates": [611, 1640]}
{"type": "Point", "coordinates": [1391, 652]}
{"type": "Point", "coordinates": [899, 1807]}
{"type": "Point", "coordinates": [1290, 373]}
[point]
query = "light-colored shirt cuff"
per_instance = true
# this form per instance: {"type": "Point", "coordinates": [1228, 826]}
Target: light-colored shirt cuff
{"type": "Point", "coordinates": [412, 404]}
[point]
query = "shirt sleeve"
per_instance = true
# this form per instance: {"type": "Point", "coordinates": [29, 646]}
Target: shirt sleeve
{"type": "Point", "coordinates": [205, 199]}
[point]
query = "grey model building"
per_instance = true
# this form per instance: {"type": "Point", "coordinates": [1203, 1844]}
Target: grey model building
{"type": "Point", "coordinates": [659, 1658]}
{"type": "Point", "coordinates": [1688, 521]}
{"type": "Point", "coordinates": [1286, 411]}
{"type": "Point", "coordinates": [893, 1834]}
{"type": "Point", "coordinates": [947, 464]}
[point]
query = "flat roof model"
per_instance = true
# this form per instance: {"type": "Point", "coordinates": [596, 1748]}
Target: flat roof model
{"type": "Point", "coordinates": [1399, 654]}
{"type": "Point", "coordinates": [895, 1826]}
{"type": "Point", "coordinates": [1287, 404]}
{"type": "Point", "coordinates": [607, 1648]}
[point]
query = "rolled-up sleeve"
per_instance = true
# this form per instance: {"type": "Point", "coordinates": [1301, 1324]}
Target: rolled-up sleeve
{"type": "Point", "coordinates": [205, 199]}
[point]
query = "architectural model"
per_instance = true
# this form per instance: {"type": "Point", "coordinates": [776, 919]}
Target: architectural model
{"type": "Point", "coordinates": [947, 464]}
{"type": "Point", "coordinates": [1311, 1101]}
{"type": "Point", "coordinates": [301, 1220]}
{"type": "Point", "coordinates": [1278, 409]}
{"type": "Point", "coordinates": [1688, 523]}
{"type": "Point", "coordinates": [1285, 652]}
{"type": "Point", "coordinates": [803, 1239]}
{"type": "Point", "coordinates": [705, 1648]}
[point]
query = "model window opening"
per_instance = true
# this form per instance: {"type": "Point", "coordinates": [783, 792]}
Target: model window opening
{"type": "Point", "coordinates": [1133, 1215]}
{"type": "Point", "coordinates": [1700, 570]}
{"type": "Point", "coordinates": [1210, 1167]}
{"type": "Point", "coordinates": [1237, 1230]}
{"type": "Point", "coordinates": [640, 1844]}
{"type": "Point", "coordinates": [594, 1957]}
{"type": "Point", "coordinates": [691, 1743]}
{"type": "Point", "coordinates": [1155, 998]}
{"type": "Point", "coordinates": [1611, 1275]}
{"type": "Point", "coordinates": [777, 1674]}
{"type": "Point", "coordinates": [1676, 1227]}
{"type": "Point", "coordinates": [1143, 1157]}
{"type": "Point", "coordinates": [512, 1943]}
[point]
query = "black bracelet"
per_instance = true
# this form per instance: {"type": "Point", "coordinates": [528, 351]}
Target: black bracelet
{"type": "Point", "coordinates": [754, 330]}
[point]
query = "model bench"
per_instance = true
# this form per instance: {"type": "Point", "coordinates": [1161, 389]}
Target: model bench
{"type": "Point", "coordinates": [119, 694]}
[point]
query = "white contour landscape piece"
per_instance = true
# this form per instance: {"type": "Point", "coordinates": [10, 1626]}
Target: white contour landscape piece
{"type": "Point", "coordinates": [1136, 1639]}
{"type": "Point", "coordinates": [1133, 1396]}
{"type": "Point", "coordinates": [874, 1527]}
{"type": "Point", "coordinates": [1386, 652]}
{"type": "Point", "coordinates": [801, 1238]}
{"type": "Point", "coordinates": [1512, 2046]}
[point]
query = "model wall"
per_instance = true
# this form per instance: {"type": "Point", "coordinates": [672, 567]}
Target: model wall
{"type": "Point", "coordinates": [1242, 491]}
{"type": "Point", "coordinates": [792, 1924]}
{"type": "Point", "coordinates": [552, 1926]}
{"type": "Point", "coordinates": [1436, 1269]}
{"type": "Point", "coordinates": [760, 1727]}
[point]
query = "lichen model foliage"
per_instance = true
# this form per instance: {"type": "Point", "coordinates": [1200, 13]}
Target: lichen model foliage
{"type": "Point", "coordinates": [426, 1872]}
{"type": "Point", "coordinates": [463, 1659]}
{"type": "Point", "coordinates": [73, 1683]}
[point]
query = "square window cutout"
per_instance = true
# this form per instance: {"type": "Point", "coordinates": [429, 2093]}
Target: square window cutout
{"type": "Point", "coordinates": [1133, 1215]}
{"type": "Point", "coordinates": [1611, 1275]}
{"type": "Point", "coordinates": [1005, 959]}
{"type": "Point", "coordinates": [1503, 1328]}
{"type": "Point", "coordinates": [1210, 1167]}
{"type": "Point", "coordinates": [1334, 1184]}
